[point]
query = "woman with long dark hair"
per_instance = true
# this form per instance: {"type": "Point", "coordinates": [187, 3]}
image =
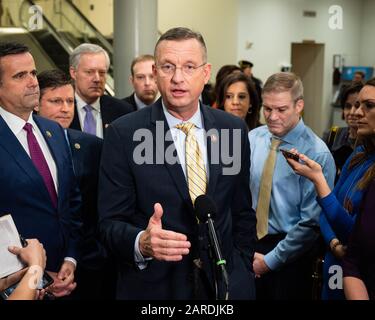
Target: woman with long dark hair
{"type": "Point", "coordinates": [237, 96]}
{"type": "Point", "coordinates": [341, 206]}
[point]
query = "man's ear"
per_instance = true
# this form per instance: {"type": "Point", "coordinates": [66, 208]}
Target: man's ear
{"type": "Point", "coordinates": [207, 72]}
{"type": "Point", "coordinates": [300, 104]}
{"type": "Point", "coordinates": [72, 72]}
{"type": "Point", "coordinates": [131, 79]}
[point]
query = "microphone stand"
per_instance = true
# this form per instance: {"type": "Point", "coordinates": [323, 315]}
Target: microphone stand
{"type": "Point", "coordinates": [219, 262]}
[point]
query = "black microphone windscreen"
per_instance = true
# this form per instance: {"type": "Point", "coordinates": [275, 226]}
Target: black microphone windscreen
{"type": "Point", "coordinates": [204, 205]}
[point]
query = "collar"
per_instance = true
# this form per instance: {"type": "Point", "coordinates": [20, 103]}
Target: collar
{"type": "Point", "coordinates": [14, 122]}
{"type": "Point", "coordinates": [81, 103]}
{"type": "Point", "coordinates": [140, 104]}
{"type": "Point", "coordinates": [173, 121]}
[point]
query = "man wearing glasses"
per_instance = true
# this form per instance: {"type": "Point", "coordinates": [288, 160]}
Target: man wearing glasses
{"type": "Point", "coordinates": [146, 209]}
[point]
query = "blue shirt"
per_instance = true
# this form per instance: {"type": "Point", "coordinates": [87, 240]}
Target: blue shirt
{"type": "Point", "coordinates": [293, 197]}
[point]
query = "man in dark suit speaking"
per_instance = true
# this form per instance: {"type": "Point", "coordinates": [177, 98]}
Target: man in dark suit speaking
{"type": "Point", "coordinates": [146, 208]}
{"type": "Point", "coordinates": [94, 111]}
{"type": "Point", "coordinates": [38, 187]}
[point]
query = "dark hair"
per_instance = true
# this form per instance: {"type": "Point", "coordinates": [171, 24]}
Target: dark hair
{"type": "Point", "coordinates": [53, 79]}
{"type": "Point", "coordinates": [179, 34]}
{"type": "Point", "coordinates": [369, 149]}
{"type": "Point", "coordinates": [220, 75]}
{"type": "Point", "coordinates": [355, 87]}
{"type": "Point", "coordinates": [361, 73]}
{"type": "Point", "coordinates": [142, 58]}
{"type": "Point", "coordinates": [245, 64]}
{"type": "Point", "coordinates": [8, 48]}
{"type": "Point", "coordinates": [252, 118]}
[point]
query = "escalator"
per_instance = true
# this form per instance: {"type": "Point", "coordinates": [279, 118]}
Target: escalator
{"type": "Point", "coordinates": [63, 27]}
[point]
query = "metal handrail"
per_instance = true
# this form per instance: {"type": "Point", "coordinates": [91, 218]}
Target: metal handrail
{"type": "Point", "coordinates": [60, 37]}
{"type": "Point", "coordinates": [98, 34]}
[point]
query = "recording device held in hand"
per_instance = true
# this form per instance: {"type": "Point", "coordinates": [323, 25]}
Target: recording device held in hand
{"type": "Point", "coordinates": [44, 282]}
{"type": "Point", "coordinates": [205, 210]}
{"type": "Point", "coordinates": [287, 154]}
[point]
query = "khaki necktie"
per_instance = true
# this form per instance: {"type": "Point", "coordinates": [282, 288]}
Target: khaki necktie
{"type": "Point", "coordinates": [265, 189]}
{"type": "Point", "coordinates": [195, 169]}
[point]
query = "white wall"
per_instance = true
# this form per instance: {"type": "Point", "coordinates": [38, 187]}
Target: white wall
{"type": "Point", "coordinates": [215, 19]}
{"type": "Point", "coordinates": [367, 45]}
{"type": "Point", "coordinates": [272, 25]}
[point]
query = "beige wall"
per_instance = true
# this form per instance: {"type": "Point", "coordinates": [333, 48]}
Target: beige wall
{"type": "Point", "coordinates": [101, 16]}
{"type": "Point", "coordinates": [215, 19]}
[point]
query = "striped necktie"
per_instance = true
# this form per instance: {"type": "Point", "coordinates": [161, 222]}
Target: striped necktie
{"type": "Point", "coordinates": [265, 189]}
{"type": "Point", "coordinates": [195, 168]}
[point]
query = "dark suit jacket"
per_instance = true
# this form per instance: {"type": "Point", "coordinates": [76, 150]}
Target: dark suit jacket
{"type": "Point", "coordinates": [24, 195]}
{"type": "Point", "coordinates": [86, 151]}
{"type": "Point", "coordinates": [128, 192]}
{"type": "Point", "coordinates": [131, 100]}
{"type": "Point", "coordinates": [110, 109]}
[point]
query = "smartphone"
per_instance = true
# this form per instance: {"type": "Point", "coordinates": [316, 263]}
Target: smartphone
{"type": "Point", "coordinates": [45, 282]}
{"type": "Point", "coordinates": [288, 154]}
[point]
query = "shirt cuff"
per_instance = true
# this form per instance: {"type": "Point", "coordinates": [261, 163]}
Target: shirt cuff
{"type": "Point", "coordinates": [271, 261]}
{"type": "Point", "coordinates": [139, 259]}
{"type": "Point", "coordinates": [72, 260]}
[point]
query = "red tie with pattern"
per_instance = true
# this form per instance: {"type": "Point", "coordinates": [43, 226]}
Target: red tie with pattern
{"type": "Point", "coordinates": [40, 162]}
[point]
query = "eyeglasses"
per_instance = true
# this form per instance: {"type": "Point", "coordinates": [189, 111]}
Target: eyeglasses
{"type": "Point", "coordinates": [241, 96]}
{"type": "Point", "coordinates": [169, 69]}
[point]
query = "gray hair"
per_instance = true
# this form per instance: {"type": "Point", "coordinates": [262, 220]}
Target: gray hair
{"type": "Point", "coordinates": [284, 82]}
{"type": "Point", "coordinates": [83, 48]}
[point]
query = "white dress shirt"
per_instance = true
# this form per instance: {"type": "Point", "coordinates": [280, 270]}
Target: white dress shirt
{"type": "Point", "coordinates": [16, 125]}
{"type": "Point", "coordinates": [179, 141]}
{"type": "Point", "coordinates": [95, 112]}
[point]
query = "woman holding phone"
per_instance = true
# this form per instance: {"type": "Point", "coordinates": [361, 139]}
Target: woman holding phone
{"type": "Point", "coordinates": [34, 255]}
{"type": "Point", "coordinates": [341, 206]}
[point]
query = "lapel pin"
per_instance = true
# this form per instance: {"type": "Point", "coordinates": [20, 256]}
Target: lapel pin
{"type": "Point", "coordinates": [77, 146]}
{"type": "Point", "coordinates": [106, 125]}
{"type": "Point", "coordinates": [49, 134]}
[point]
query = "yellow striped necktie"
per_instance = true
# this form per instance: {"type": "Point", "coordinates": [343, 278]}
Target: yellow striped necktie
{"type": "Point", "coordinates": [195, 168]}
{"type": "Point", "coordinates": [265, 189]}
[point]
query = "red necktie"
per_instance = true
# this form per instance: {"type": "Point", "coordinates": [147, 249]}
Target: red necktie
{"type": "Point", "coordinates": [40, 162]}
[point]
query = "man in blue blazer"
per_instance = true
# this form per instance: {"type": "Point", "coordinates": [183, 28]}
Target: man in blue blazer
{"type": "Point", "coordinates": [94, 111]}
{"type": "Point", "coordinates": [38, 186]}
{"type": "Point", "coordinates": [57, 103]}
{"type": "Point", "coordinates": [146, 200]}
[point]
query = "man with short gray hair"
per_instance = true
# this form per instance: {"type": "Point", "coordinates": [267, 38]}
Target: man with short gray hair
{"type": "Point", "coordinates": [94, 111]}
{"type": "Point", "coordinates": [285, 203]}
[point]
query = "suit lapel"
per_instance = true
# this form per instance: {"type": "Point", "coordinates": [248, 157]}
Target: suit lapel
{"type": "Point", "coordinates": [213, 137]}
{"type": "Point", "coordinates": [104, 111]}
{"type": "Point", "coordinates": [75, 123]}
{"type": "Point", "coordinates": [174, 170]}
{"type": "Point", "coordinates": [10, 143]}
{"type": "Point", "coordinates": [75, 145]}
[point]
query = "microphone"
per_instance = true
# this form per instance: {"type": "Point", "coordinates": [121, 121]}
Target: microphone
{"type": "Point", "coordinates": [205, 210]}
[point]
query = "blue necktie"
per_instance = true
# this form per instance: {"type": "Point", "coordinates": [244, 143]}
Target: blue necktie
{"type": "Point", "coordinates": [89, 124]}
